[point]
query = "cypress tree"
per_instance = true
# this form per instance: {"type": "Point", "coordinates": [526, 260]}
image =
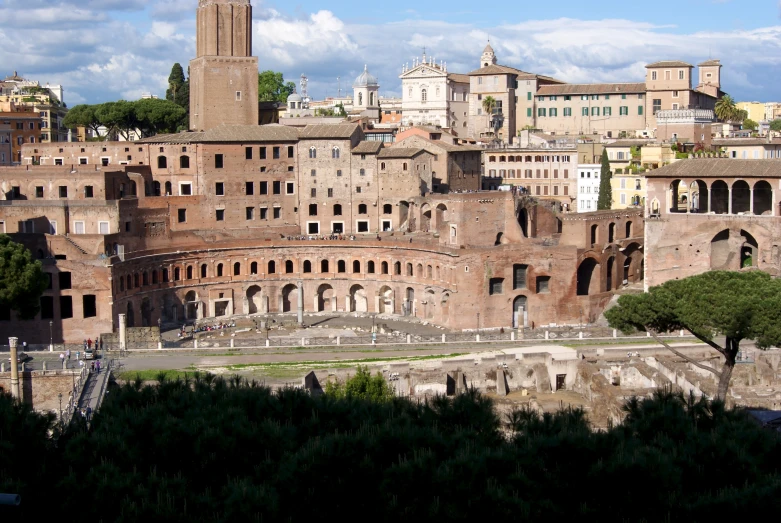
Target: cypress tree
{"type": "Point", "coordinates": [605, 200]}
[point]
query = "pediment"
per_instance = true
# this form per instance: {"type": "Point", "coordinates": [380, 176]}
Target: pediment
{"type": "Point", "coordinates": [424, 71]}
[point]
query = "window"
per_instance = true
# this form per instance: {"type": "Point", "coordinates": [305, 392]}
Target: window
{"type": "Point", "coordinates": [249, 188]}
{"type": "Point", "coordinates": [382, 166]}
{"type": "Point", "coordinates": [356, 267]}
{"type": "Point", "coordinates": [290, 151]}
{"type": "Point", "coordinates": [495, 286]}
{"type": "Point", "coordinates": [63, 191]}
{"type": "Point", "coordinates": [623, 110]}
{"type": "Point", "coordinates": [39, 192]}
{"type": "Point", "coordinates": [337, 210]}
{"type": "Point", "coordinates": [657, 105]}
{"type": "Point", "coordinates": [272, 267]}
{"type": "Point", "coordinates": [276, 187]}
{"type": "Point", "coordinates": [362, 172]}
{"type": "Point", "coordinates": [263, 188]}
{"type": "Point", "coordinates": [335, 153]}
{"type": "Point", "coordinates": [275, 153]}
{"type": "Point", "coordinates": [290, 188]}
{"type": "Point", "coordinates": [519, 276]}
{"type": "Point", "coordinates": [423, 95]}
{"type": "Point", "coordinates": [66, 307]}
{"type": "Point", "coordinates": [387, 209]}
{"type": "Point", "coordinates": [312, 209]}
{"type": "Point", "coordinates": [182, 215]}
{"type": "Point", "coordinates": [363, 226]}
{"type": "Point", "coordinates": [312, 152]}
{"type": "Point", "coordinates": [313, 172]}
{"type": "Point", "coordinates": [248, 153]}
{"type": "Point", "coordinates": [541, 111]}
{"type": "Point", "coordinates": [307, 266]}
{"type": "Point", "coordinates": [47, 308]}
{"type": "Point", "coordinates": [584, 111]}
{"type": "Point", "coordinates": [358, 189]}
{"type": "Point", "coordinates": [219, 189]}
{"type": "Point", "coordinates": [250, 211]}
{"type": "Point", "coordinates": [262, 153]}
{"type": "Point", "coordinates": [640, 110]}
{"type": "Point", "coordinates": [264, 213]}
{"type": "Point", "coordinates": [218, 161]}
{"type": "Point", "coordinates": [162, 162]}
{"type": "Point", "coordinates": [362, 209]}
{"type": "Point", "coordinates": [595, 111]}
{"type": "Point", "coordinates": [238, 96]}
{"type": "Point", "coordinates": [553, 112]}
{"type": "Point", "coordinates": [220, 214]}
{"type": "Point", "coordinates": [313, 192]}
{"type": "Point", "coordinates": [681, 74]}
{"type": "Point", "coordinates": [653, 75]}
{"type": "Point", "coordinates": [675, 94]}
{"type": "Point", "coordinates": [543, 284]}
{"type": "Point", "coordinates": [185, 189]}
{"type": "Point", "coordinates": [341, 266]}
{"type": "Point", "coordinates": [568, 111]}
{"type": "Point", "coordinates": [637, 184]}
{"type": "Point", "coordinates": [277, 213]}
{"type": "Point", "coordinates": [528, 112]}
{"type": "Point", "coordinates": [330, 192]}
{"type": "Point", "coordinates": [607, 111]}
{"type": "Point", "coordinates": [253, 267]}
{"type": "Point", "coordinates": [623, 199]}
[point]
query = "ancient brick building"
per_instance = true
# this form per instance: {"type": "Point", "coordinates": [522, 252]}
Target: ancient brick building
{"type": "Point", "coordinates": [713, 213]}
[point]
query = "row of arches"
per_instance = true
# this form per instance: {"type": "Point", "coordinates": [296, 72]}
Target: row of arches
{"type": "Point", "coordinates": [612, 232]}
{"type": "Point", "coordinates": [204, 270]}
{"type": "Point", "coordinates": [184, 162]}
{"type": "Point", "coordinates": [596, 275]}
{"type": "Point", "coordinates": [719, 197]}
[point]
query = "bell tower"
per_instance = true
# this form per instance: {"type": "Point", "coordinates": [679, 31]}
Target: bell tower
{"type": "Point", "coordinates": [224, 74]}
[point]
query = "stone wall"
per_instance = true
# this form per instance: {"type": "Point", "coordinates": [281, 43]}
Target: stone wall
{"type": "Point", "coordinates": [40, 388]}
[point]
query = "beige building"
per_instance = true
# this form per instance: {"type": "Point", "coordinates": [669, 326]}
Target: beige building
{"type": "Point", "coordinates": [750, 148]}
{"type": "Point", "coordinates": [669, 87]}
{"type": "Point", "coordinates": [543, 172]}
{"type": "Point", "coordinates": [433, 96]}
{"type": "Point", "coordinates": [755, 110]}
{"type": "Point", "coordinates": [20, 95]}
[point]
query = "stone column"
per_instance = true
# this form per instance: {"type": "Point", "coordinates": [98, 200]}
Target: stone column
{"type": "Point", "coordinates": [334, 305]}
{"type": "Point", "coordinates": [709, 197]}
{"type": "Point", "coordinates": [122, 332]}
{"type": "Point", "coordinates": [14, 369]}
{"type": "Point", "coordinates": [300, 302]}
{"type": "Point", "coordinates": [316, 303]}
{"type": "Point", "coordinates": [751, 201]}
{"type": "Point", "coordinates": [729, 202]}
{"type": "Point", "coordinates": [348, 306]}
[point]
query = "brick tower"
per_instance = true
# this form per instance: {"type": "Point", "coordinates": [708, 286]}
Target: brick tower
{"type": "Point", "coordinates": [224, 74]}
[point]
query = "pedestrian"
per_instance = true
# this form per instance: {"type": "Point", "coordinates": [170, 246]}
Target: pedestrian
{"type": "Point", "coordinates": [89, 343]}
{"type": "Point", "coordinates": [92, 367]}
{"type": "Point", "coordinates": [62, 357]}
{"type": "Point", "coordinates": [81, 364]}
{"type": "Point", "coordinates": [78, 355]}
{"type": "Point", "coordinates": [85, 344]}
{"type": "Point", "coordinates": [97, 366]}
{"type": "Point", "coordinates": [68, 354]}
{"type": "Point", "coordinates": [24, 346]}
{"type": "Point", "coordinates": [89, 413]}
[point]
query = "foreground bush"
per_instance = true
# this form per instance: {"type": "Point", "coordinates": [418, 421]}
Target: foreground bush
{"type": "Point", "coordinates": [215, 450]}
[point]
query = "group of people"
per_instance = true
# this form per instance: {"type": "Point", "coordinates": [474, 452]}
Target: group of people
{"type": "Point", "coordinates": [208, 328]}
{"type": "Point", "coordinates": [321, 238]}
{"type": "Point", "coordinates": [88, 343]}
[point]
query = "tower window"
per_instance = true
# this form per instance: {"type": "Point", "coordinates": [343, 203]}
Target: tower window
{"type": "Point", "coordinates": [238, 96]}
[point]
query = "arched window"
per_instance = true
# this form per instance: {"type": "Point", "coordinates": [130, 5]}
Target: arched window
{"type": "Point", "coordinates": [219, 269]}
{"type": "Point", "coordinates": [420, 270]}
{"type": "Point", "coordinates": [404, 166]}
{"type": "Point", "coordinates": [611, 233]}
{"type": "Point", "coordinates": [382, 166]}
{"type": "Point", "coordinates": [237, 269]}
{"type": "Point", "coordinates": [387, 209]}
{"type": "Point", "coordinates": [253, 268]}
{"type": "Point", "coordinates": [409, 269]}
{"type": "Point", "coordinates": [384, 267]}
{"type": "Point", "coordinates": [323, 266]}
{"type": "Point", "coordinates": [162, 163]}
{"type": "Point", "coordinates": [156, 188]}
{"type": "Point", "coordinates": [362, 208]}
{"type": "Point", "coordinates": [337, 210]}
{"type": "Point", "coordinates": [177, 274]}
{"type": "Point", "coordinates": [190, 272]}
{"type": "Point", "coordinates": [363, 172]}
{"type": "Point", "coordinates": [312, 152]}
{"type": "Point", "coordinates": [135, 280]}
{"type": "Point", "coordinates": [272, 267]}
{"type": "Point", "coordinates": [184, 162]}
{"type": "Point", "coordinates": [121, 284]}
{"type": "Point", "coordinates": [145, 279]}
{"type": "Point", "coordinates": [128, 282]}
{"type": "Point", "coordinates": [423, 95]}
{"type": "Point", "coordinates": [335, 153]}
{"type": "Point", "coordinates": [288, 266]}
{"type": "Point", "coordinates": [370, 267]}
{"type": "Point", "coordinates": [628, 229]}
{"type": "Point", "coordinates": [203, 270]}
{"type": "Point", "coordinates": [168, 188]}
{"type": "Point", "coordinates": [307, 266]}
{"type": "Point", "coordinates": [360, 99]}
{"type": "Point", "coordinates": [165, 275]}
{"type": "Point", "coordinates": [341, 266]}
{"type": "Point", "coordinates": [397, 268]}
{"type": "Point", "coordinates": [356, 267]}
{"type": "Point", "coordinates": [154, 277]}
{"type": "Point", "coordinates": [429, 272]}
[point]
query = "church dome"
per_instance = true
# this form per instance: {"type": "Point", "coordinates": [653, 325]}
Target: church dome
{"type": "Point", "coordinates": [365, 79]}
{"type": "Point", "coordinates": [295, 97]}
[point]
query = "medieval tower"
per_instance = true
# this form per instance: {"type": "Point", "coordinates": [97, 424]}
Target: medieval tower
{"type": "Point", "coordinates": [224, 74]}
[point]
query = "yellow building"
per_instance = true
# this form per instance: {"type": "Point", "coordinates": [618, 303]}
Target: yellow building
{"type": "Point", "coordinates": [629, 160]}
{"type": "Point", "coordinates": [755, 110]}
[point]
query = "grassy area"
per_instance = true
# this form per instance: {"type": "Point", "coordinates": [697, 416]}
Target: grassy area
{"type": "Point", "coordinates": [153, 374]}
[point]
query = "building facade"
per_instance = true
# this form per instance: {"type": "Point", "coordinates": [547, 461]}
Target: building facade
{"type": "Point", "coordinates": [542, 172]}
{"type": "Point", "coordinates": [588, 186]}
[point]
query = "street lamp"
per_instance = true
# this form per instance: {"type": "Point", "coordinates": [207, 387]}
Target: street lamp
{"type": "Point", "coordinates": [51, 336]}
{"type": "Point", "coordinates": [478, 323]}
{"type": "Point", "coordinates": [60, 398]}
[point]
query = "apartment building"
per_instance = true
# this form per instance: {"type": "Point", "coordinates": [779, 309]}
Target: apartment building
{"type": "Point", "coordinates": [750, 148]}
{"type": "Point", "coordinates": [588, 186]}
{"type": "Point", "coordinates": [549, 174]}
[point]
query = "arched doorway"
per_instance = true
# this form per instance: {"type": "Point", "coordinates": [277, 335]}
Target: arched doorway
{"type": "Point", "coordinates": [359, 302]}
{"type": "Point", "coordinates": [720, 250]}
{"type": "Point", "coordinates": [425, 218]}
{"type": "Point", "coordinates": [409, 302]}
{"type": "Point", "coordinates": [386, 300]}
{"type": "Point", "coordinates": [130, 315]}
{"type": "Point", "coordinates": [627, 270]}
{"type": "Point", "coordinates": [609, 274]}
{"type": "Point", "coordinates": [430, 305]}
{"type": "Point", "coordinates": [719, 199]}
{"type": "Point", "coordinates": [289, 298]}
{"type": "Point", "coordinates": [587, 282]}
{"type": "Point", "coordinates": [741, 197]}
{"type": "Point", "coordinates": [146, 313]}
{"type": "Point", "coordinates": [520, 312]}
{"type": "Point", "coordinates": [441, 219]}
{"type": "Point", "coordinates": [445, 306]}
{"type": "Point", "coordinates": [191, 305]}
{"type": "Point", "coordinates": [762, 198]}
{"type": "Point", "coordinates": [325, 297]}
{"type": "Point", "coordinates": [254, 299]}
{"type": "Point", "coordinates": [749, 251]}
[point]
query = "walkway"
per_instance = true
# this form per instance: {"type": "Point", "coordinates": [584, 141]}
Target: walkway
{"type": "Point", "coordinates": [94, 389]}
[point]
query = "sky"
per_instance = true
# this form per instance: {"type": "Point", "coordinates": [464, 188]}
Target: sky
{"type": "Point", "coordinates": [102, 50]}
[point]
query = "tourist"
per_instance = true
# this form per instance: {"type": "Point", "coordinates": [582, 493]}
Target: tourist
{"type": "Point", "coordinates": [89, 343]}
{"type": "Point", "coordinates": [92, 367]}
{"type": "Point", "coordinates": [68, 354]}
{"type": "Point", "coordinates": [89, 414]}
{"type": "Point", "coordinates": [62, 358]}
{"type": "Point", "coordinates": [97, 366]}
{"type": "Point", "coordinates": [78, 355]}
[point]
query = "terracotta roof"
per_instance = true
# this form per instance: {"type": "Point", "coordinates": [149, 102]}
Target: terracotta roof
{"type": "Point", "coordinates": [628, 143]}
{"type": "Point", "coordinates": [400, 152]}
{"type": "Point", "coordinates": [230, 133]}
{"type": "Point", "coordinates": [746, 141]}
{"type": "Point", "coordinates": [367, 148]}
{"type": "Point", "coordinates": [496, 69]}
{"type": "Point", "coordinates": [718, 168]}
{"type": "Point", "coordinates": [668, 63]}
{"type": "Point", "coordinates": [315, 132]}
{"type": "Point", "coordinates": [442, 146]}
{"type": "Point", "coordinates": [457, 77]}
{"type": "Point", "coordinates": [710, 63]}
{"type": "Point", "coordinates": [577, 89]}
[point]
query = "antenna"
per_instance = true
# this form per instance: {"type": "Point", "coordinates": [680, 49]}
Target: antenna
{"type": "Point", "coordinates": [339, 87]}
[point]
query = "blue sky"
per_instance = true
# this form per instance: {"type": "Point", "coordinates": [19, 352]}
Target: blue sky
{"type": "Point", "coordinates": [109, 49]}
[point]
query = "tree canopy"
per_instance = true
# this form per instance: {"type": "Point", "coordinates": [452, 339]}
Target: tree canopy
{"type": "Point", "coordinates": [22, 280]}
{"type": "Point", "coordinates": [737, 305]}
{"type": "Point", "coordinates": [727, 111]}
{"type": "Point", "coordinates": [750, 125]}
{"type": "Point", "coordinates": [775, 125]}
{"type": "Point", "coordinates": [273, 88]}
{"type": "Point", "coordinates": [178, 92]}
{"type": "Point", "coordinates": [216, 450]}
{"type": "Point", "coordinates": [605, 200]}
{"type": "Point", "coordinates": [150, 116]}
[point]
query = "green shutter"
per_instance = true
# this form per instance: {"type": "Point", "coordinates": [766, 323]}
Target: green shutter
{"type": "Point", "coordinates": [640, 110]}
{"type": "Point", "coordinates": [529, 111]}
{"type": "Point", "coordinates": [529, 96]}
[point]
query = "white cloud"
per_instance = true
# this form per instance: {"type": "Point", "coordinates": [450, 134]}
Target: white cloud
{"type": "Point", "coordinates": [106, 49]}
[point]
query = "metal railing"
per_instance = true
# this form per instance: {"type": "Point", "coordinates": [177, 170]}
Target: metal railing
{"type": "Point", "coordinates": [75, 395]}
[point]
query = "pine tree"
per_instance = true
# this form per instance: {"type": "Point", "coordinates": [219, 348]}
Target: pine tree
{"type": "Point", "coordinates": [605, 200]}
{"type": "Point", "coordinates": [178, 87]}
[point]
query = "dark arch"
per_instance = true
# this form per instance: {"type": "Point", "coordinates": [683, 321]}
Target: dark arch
{"type": "Point", "coordinates": [523, 221]}
{"type": "Point", "coordinates": [341, 266]}
{"type": "Point", "coordinates": [741, 197]}
{"type": "Point", "coordinates": [288, 266]}
{"type": "Point", "coordinates": [323, 265]}
{"type": "Point", "coordinates": [609, 274]}
{"type": "Point", "coordinates": [177, 273]}
{"type": "Point", "coordinates": [499, 238]}
{"type": "Point", "coordinates": [168, 188]}
{"type": "Point", "coordinates": [130, 319]}
{"type": "Point", "coordinates": [611, 233]}
{"type": "Point", "coordinates": [307, 266]}
{"type": "Point", "coordinates": [162, 162]}
{"type": "Point", "coordinates": [720, 250]}
{"type": "Point", "coordinates": [628, 227]}
{"type": "Point", "coordinates": [219, 270]}
{"type": "Point", "coordinates": [237, 269]}
{"type": "Point", "coordinates": [272, 267]}
{"type": "Point", "coordinates": [203, 270]}
{"type": "Point", "coordinates": [397, 268]}
{"type": "Point", "coordinates": [189, 272]}
{"type": "Point", "coordinates": [719, 200]}
{"type": "Point", "coordinates": [763, 198]}
{"type": "Point", "coordinates": [699, 201]}
{"type": "Point", "coordinates": [594, 234]}
{"type": "Point", "coordinates": [749, 250]}
{"type": "Point", "coordinates": [253, 267]}
{"type": "Point", "coordinates": [587, 283]}
{"type": "Point", "coordinates": [384, 267]}
{"type": "Point", "coordinates": [356, 267]}
{"type": "Point", "coordinates": [370, 267]}
{"type": "Point", "coordinates": [184, 162]}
